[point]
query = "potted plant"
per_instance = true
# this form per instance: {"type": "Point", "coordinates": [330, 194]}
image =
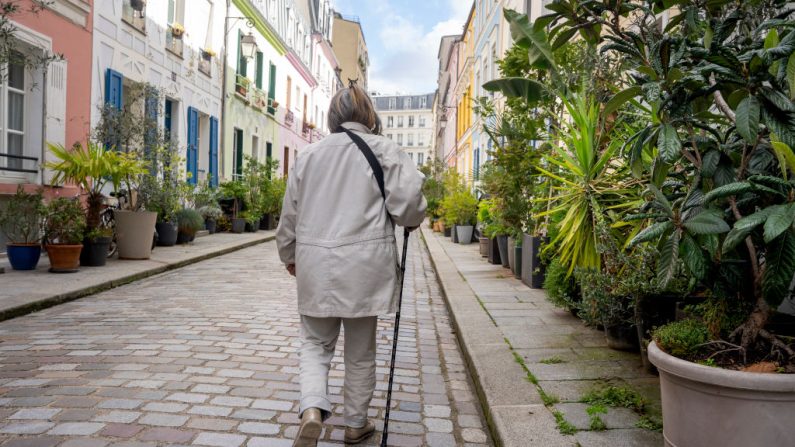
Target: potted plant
{"type": "Point", "coordinates": [236, 192]}
{"type": "Point", "coordinates": [211, 214]}
{"type": "Point", "coordinates": [92, 168]}
{"type": "Point", "coordinates": [177, 30]}
{"type": "Point", "coordinates": [208, 54]}
{"type": "Point", "coordinates": [251, 217]}
{"type": "Point", "coordinates": [64, 229]}
{"type": "Point", "coordinates": [137, 5]}
{"type": "Point", "coordinates": [21, 222]}
{"type": "Point", "coordinates": [716, 154]}
{"type": "Point", "coordinates": [162, 191]}
{"type": "Point", "coordinates": [189, 222]}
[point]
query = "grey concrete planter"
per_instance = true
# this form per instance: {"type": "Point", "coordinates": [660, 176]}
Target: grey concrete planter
{"type": "Point", "coordinates": [511, 253]}
{"type": "Point", "coordinates": [533, 270]}
{"type": "Point", "coordinates": [517, 261]}
{"type": "Point", "coordinates": [464, 234]}
{"type": "Point", "coordinates": [502, 244]}
{"type": "Point", "coordinates": [494, 251]}
{"type": "Point", "coordinates": [135, 231]}
{"type": "Point", "coordinates": [454, 234]}
{"type": "Point", "coordinates": [706, 406]}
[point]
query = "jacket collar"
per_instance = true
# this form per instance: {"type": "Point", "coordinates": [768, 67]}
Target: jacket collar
{"type": "Point", "coordinates": [353, 125]}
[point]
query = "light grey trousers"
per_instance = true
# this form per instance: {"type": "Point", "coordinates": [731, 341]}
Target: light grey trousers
{"type": "Point", "coordinates": [319, 339]}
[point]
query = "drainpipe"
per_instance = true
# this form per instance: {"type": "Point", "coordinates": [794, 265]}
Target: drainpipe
{"type": "Point", "coordinates": [222, 123]}
{"type": "Point", "coordinates": [44, 124]}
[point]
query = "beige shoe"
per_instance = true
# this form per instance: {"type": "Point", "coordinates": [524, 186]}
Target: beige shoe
{"type": "Point", "coordinates": [309, 431]}
{"type": "Point", "coordinates": [357, 435]}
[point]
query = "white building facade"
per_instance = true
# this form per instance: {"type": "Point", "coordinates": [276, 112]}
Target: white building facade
{"type": "Point", "coordinates": [408, 121]}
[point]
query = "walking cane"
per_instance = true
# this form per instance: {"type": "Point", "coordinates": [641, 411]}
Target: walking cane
{"type": "Point", "coordinates": [395, 339]}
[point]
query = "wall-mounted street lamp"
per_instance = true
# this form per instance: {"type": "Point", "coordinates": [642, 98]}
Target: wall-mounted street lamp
{"type": "Point", "coordinates": [248, 45]}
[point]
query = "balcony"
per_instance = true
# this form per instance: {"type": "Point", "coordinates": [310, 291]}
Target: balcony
{"type": "Point", "coordinates": [289, 118]}
{"type": "Point", "coordinates": [206, 66]}
{"type": "Point", "coordinates": [19, 163]}
{"type": "Point", "coordinates": [133, 13]}
{"type": "Point", "coordinates": [259, 99]}
{"type": "Point", "coordinates": [242, 86]}
{"type": "Point", "coordinates": [174, 42]}
{"type": "Point", "coordinates": [306, 127]}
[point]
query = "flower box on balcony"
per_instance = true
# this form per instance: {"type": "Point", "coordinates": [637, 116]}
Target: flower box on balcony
{"type": "Point", "coordinates": [177, 30]}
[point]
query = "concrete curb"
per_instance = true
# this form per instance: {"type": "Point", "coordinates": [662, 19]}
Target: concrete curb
{"type": "Point", "coordinates": [54, 300]}
{"type": "Point", "coordinates": [512, 405]}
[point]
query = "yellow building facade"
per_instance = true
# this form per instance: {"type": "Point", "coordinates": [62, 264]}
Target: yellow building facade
{"type": "Point", "coordinates": [464, 112]}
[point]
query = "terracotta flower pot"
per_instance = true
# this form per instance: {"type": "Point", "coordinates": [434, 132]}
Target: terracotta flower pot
{"type": "Point", "coordinates": [64, 258]}
{"type": "Point", "coordinates": [703, 405]}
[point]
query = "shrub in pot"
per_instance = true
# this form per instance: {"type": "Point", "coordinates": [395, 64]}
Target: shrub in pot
{"type": "Point", "coordinates": [251, 219]}
{"type": "Point", "coordinates": [236, 191]}
{"type": "Point", "coordinates": [96, 245]}
{"type": "Point", "coordinates": [189, 222]}
{"type": "Point", "coordinates": [211, 215]}
{"type": "Point", "coordinates": [21, 222]}
{"type": "Point", "coordinates": [64, 228]}
{"type": "Point", "coordinates": [461, 208]}
{"type": "Point", "coordinates": [162, 192]}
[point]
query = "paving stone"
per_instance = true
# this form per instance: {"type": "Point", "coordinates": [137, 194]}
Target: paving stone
{"type": "Point", "coordinates": [26, 428]}
{"type": "Point", "coordinates": [84, 442]}
{"type": "Point", "coordinates": [76, 428]}
{"type": "Point", "coordinates": [163, 419]}
{"type": "Point", "coordinates": [35, 413]}
{"type": "Point", "coordinates": [163, 434]}
{"type": "Point", "coordinates": [38, 441]}
{"type": "Point", "coordinates": [219, 439]}
{"type": "Point", "coordinates": [121, 430]}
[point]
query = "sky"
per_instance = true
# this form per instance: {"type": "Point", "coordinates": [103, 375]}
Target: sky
{"type": "Point", "coordinates": [403, 39]}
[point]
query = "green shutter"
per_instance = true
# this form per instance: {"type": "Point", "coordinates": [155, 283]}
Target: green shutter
{"type": "Point", "coordinates": [171, 11]}
{"type": "Point", "coordinates": [242, 67]}
{"type": "Point", "coordinates": [259, 70]}
{"type": "Point", "coordinates": [271, 87]}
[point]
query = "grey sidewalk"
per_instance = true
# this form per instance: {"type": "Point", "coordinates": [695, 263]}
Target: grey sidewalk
{"type": "Point", "coordinates": [22, 292]}
{"type": "Point", "coordinates": [533, 363]}
{"type": "Point", "coordinates": [207, 355]}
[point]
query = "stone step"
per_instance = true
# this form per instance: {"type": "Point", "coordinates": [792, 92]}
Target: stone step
{"type": "Point", "coordinates": [202, 233]}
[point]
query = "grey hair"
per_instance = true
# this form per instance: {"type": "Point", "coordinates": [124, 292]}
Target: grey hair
{"type": "Point", "coordinates": [353, 104]}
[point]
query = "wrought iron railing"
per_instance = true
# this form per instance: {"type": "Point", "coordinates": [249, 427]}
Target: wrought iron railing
{"type": "Point", "coordinates": [259, 98]}
{"type": "Point", "coordinates": [16, 163]}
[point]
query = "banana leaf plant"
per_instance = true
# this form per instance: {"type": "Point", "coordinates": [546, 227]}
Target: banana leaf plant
{"type": "Point", "coordinates": [715, 81]}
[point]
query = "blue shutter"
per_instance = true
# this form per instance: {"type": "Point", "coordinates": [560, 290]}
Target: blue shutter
{"type": "Point", "coordinates": [193, 142]}
{"type": "Point", "coordinates": [114, 89]}
{"type": "Point", "coordinates": [213, 151]}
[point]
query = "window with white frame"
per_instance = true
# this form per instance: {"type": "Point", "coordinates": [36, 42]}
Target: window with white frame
{"type": "Point", "coordinates": [411, 120]}
{"type": "Point", "coordinates": [420, 158]}
{"type": "Point", "coordinates": [420, 139]}
{"type": "Point", "coordinates": [400, 139]}
{"type": "Point", "coordinates": [390, 121]}
{"type": "Point", "coordinates": [13, 92]}
{"type": "Point", "coordinates": [389, 135]}
{"type": "Point", "coordinates": [392, 103]}
{"type": "Point", "coordinates": [410, 139]}
{"type": "Point", "coordinates": [133, 12]}
{"type": "Point", "coordinates": [422, 121]}
{"type": "Point", "coordinates": [400, 121]}
{"type": "Point", "coordinates": [407, 103]}
{"type": "Point", "coordinates": [423, 102]}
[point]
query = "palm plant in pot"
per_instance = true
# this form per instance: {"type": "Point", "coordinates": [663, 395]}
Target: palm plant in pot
{"type": "Point", "coordinates": [716, 87]}
{"type": "Point", "coordinates": [64, 228]}
{"type": "Point", "coordinates": [21, 222]}
{"type": "Point", "coordinates": [92, 168]}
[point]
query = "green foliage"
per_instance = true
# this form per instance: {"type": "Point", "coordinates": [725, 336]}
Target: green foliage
{"type": "Point", "coordinates": [554, 360]}
{"type": "Point", "coordinates": [204, 195]}
{"type": "Point", "coordinates": [189, 221]}
{"type": "Point", "coordinates": [210, 212]}
{"type": "Point", "coordinates": [460, 208]}
{"type": "Point", "coordinates": [564, 426]}
{"type": "Point", "coordinates": [237, 191]}
{"type": "Point", "coordinates": [22, 218]}
{"type": "Point", "coordinates": [162, 191]}
{"type": "Point", "coordinates": [65, 222]}
{"type": "Point", "coordinates": [615, 396]}
{"type": "Point", "coordinates": [649, 422]}
{"type": "Point", "coordinates": [562, 289]}
{"type": "Point", "coordinates": [681, 338]}
{"type": "Point", "coordinates": [274, 196]}
{"type": "Point", "coordinates": [593, 411]}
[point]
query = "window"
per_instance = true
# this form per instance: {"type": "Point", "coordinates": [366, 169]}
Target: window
{"type": "Point", "coordinates": [389, 135]}
{"type": "Point", "coordinates": [420, 159]}
{"type": "Point", "coordinates": [407, 103]}
{"type": "Point", "coordinates": [422, 121]}
{"type": "Point", "coordinates": [390, 121]}
{"type": "Point", "coordinates": [12, 129]}
{"type": "Point", "coordinates": [423, 102]}
{"type": "Point", "coordinates": [400, 121]}
{"type": "Point", "coordinates": [392, 102]}
{"type": "Point", "coordinates": [259, 74]}
{"type": "Point", "coordinates": [132, 16]}
{"type": "Point", "coordinates": [410, 139]}
{"type": "Point", "coordinates": [289, 91]}
{"type": "Point", "coordinates": [400, 139]}
{"type": "Point", "coordinates": [411, 120]}
{"type": "Point", "coordinates": [411, 155]}
{"type": "Point", "coordinates": [420, 139]}
{"type": "Point", "coordinates": [176, 14]}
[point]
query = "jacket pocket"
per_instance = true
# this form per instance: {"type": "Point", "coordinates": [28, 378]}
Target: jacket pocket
{"type": "Point", "coordinates": [312, 265]}
{"type": "Point", "coordinates": [364, 274]}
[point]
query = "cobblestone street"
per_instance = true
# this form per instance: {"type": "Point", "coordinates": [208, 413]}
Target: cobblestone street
{"type": "Point", "coordinates": [207, 355]}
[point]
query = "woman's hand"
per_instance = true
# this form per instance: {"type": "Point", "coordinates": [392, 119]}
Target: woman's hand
{"type": "Point", "coordinates": [291, 269]}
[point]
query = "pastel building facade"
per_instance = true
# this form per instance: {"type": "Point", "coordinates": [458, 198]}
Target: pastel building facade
{"type": "Point", "coordinates": [408, 121]}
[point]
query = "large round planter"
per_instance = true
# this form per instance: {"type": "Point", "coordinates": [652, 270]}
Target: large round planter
{"type": "Point", "coordinates": [464, 234]}
{"type": "Point", "coordinates": [704, 405]}
{"type": "Point", "coordinates": [502, 245]}
{"type": "Point", "coordinates": [511, 253]}
{"type": "Point", "coordinates": [23, 256]}
{"type": "Point", "coordinates": [95, 252]}
{"type": "Point", "coordinates": [211, 226]}
{"type": "Point", "coordinates": [166, 234]}
{"type": "Point", "coordinates": [484, 246]}
{"type": "Point", "coordinates": [64, 258]}
{"type": "Point", "coordinates": [184, 238]}
{"type": "Point", "coordinates": [135, 231]}
{"type": "Point", "coordinates": [238, 225]}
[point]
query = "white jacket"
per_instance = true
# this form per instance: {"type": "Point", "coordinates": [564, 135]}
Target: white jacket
{"type": "Point", "coordinates": [334, 227]}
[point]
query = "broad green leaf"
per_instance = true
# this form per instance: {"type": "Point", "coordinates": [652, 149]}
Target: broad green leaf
{"type": "Point", "coordinates": [621, 97]}
{"type": "Point", "coordinates": [791, 76]}
{"type": "Point", "coordinates": [732, 189]}
{"type": "Point", "coordinates": [771, 40]}
{"type": "Point", "coordinates": [651, 232]}
{"type": "Point", "coordinates": [669, 258]}
{"type": "Point", "coordinates": [742, 228]}
{"type": "Point", "coordinates": [693, 257]}
{"type": "Point", "coordinates": [709, 162]}
{"type": "Point", "coordinates": [779, 268]}
{"type": "Point", "coordinates": [708, 37]}
{"type": "Point", "coordinates": [668, 143]}
{"type": "Point", "coordinates": [748, 119]}
{"type": "Point", "coordinates": [661, 201]}
{"type": "Point", "coordinates": [529, 90]}
{"type": "Point", "coordinates": [535, 39]}
{"type": "Point", "coordinates": [779, 220]}
{"type": "Point", "coordinates": [786, 159]}
{"type": "Point", "coordinates": [707, 222]}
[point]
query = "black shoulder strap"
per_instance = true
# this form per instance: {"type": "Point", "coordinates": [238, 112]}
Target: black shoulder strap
{"type": "Point", "coordinates": [370, 156]}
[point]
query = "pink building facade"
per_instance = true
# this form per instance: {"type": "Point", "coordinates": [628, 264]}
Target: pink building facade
{"type": "Point", "coordinates": [49, 104]}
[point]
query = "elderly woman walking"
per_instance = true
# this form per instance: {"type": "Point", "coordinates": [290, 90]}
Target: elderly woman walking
{"type": "Point", "coordinates": [337, 237]}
